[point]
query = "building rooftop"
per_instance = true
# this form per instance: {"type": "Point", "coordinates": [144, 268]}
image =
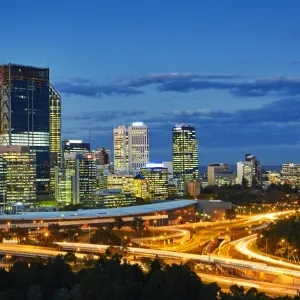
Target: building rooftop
{"type": "Point", "coordinates": [104, 212]}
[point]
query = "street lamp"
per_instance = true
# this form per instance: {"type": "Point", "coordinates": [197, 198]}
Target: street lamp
{"type": "Point", "coordinates": [123, 239]}
{"type": "Point", "coordinates": [76, 234]}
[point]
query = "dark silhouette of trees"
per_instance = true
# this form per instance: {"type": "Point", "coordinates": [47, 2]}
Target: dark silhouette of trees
{"type": "Point", "coordinates": [119, 223]}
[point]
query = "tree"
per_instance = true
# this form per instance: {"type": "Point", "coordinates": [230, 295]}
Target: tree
{"type": "Point", "coordinates": [138, 224]}
{"type": "Point", "coordinates": [245, 183]}
{"type": "Point", "coordinates": [119, 223]}
{"type": "Point", "coordinates": [230, 214]}
{"type": "Point", "coordinates": [70, 257]}
{"type": "Point", "coordinates": [20, 233]}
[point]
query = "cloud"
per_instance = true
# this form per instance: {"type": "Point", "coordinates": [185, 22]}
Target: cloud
{"type": "Point", "coordinates": [183, 83]}
{"type": "Point", "coordinates": [294, 63]}
{"type": "Point", "coordinates": [147, 79]}
{"type": "Point", "coordinates": [89, 89]}
{"type": "Point", "coordinates": [104, 116]}
{"type": "Point", "coordinates": [256, 88]}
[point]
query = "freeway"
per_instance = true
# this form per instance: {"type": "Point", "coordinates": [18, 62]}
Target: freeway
{"type": "Point", "coordinates": [267, 287]}
{"type": "Point", "coordinates": [243, 245]}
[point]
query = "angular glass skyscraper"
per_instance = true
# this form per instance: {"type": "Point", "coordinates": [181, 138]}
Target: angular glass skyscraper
{"type": "Point", "coordinates": [185, 155]}
{"type": "Point", "coordinates": [55, 135]}
{"type": "Point", "coordinates": [25, 115]}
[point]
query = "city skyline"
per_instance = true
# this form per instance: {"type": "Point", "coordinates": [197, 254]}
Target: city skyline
{"type": "Point", "coordinates": [162, 64]}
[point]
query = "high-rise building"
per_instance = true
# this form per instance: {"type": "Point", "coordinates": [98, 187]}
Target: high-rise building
{"type": "Point", "coordinates": [75, 146]}
{"type": "Point", "coordinates": [18, 175]}
{"type": "Point", "coordinates": [290, 173]}
{"type": "Point", "coordinates": [141, 187]}
{"type": "Point", "coordinates": [102, 156]}
{"type": "Point", "coordinates": [249, 171]}
{"type": "Point", "coordinates": [138, 146]}
{"type": "Point", "coordinates": [120, 181]}
{"type": "Point", "coordinates": [185, 155]}
{"type": "Point", "coordinates": [131, 148]}
{"type": "Point", "coordinates": [25, 115]}
{"type": "Point", "coordinates": [121, 149]}
{"type": "Point", "coordinates": [215, 168]}
{"type": "Point", "coordinates": [193, 188]}
{"type": "Point", "coordinates": [87, 175]}
{"type": "Point", "coordinates": [55, 135]}
{"type": "Point", "coordinates": [157, 177]}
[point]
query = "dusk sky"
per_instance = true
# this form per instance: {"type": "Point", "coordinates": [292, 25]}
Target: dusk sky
{"type": "Point", "coordinates": [230, 68]}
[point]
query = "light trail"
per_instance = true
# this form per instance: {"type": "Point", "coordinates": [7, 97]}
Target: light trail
{"type": "Point", "coordinates": [243, 244]}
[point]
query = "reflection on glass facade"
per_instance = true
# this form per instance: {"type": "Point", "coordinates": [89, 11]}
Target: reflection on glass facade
{"type": "Point", "coordinates": [25, 115]}
{"type": "Point", "coordinates": [185, 155]}
{"type": "Point", "coordinates": [17, 174]}
{"type": "Point", "coordinates": [55, 134]}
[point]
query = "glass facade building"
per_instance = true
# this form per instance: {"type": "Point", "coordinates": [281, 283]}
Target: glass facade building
{"type": "Point", "coordinates": [157, 179]}
{"type": "Point", "coordinates": [185, 155]}
{"type": "Point", "coordinates": [17, 174]}
{"type": "Point", "coordinates": [25, 115]}
{"type": "Point", "coordinates": [55, 135]}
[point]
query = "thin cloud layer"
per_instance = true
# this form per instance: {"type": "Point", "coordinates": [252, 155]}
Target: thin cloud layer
{"type": "Point", "coordinates": [94, 90]}
{"type": "Point", "coordinates": [183, 83]}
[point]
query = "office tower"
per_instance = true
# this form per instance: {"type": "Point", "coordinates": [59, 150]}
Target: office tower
{"type": "Point", "coordinates": [131, 148]}
{"type": "Point", "coordinates": [138, 146]}
{"type": "Point", "coordinates": [25, 115]}
{"type": "Point", "coordinates": [249, 171]}
{"type": "Point", "coordinates": [141, 187]}
{"type": "Point", "coordinates": [120, 181]}
{"type": "Point", "coordinates": [18, 174]}
{"type": "Point", "coordinates": [256, 169]}
{"type": "Point", "coordinates": [193, 188]}
{"type": "Point", "coordinates": [75, 146]}
{"type": "Point", "coordinates": [215, 168]}
{"type": "Point", "coordinates": [157, 177]}
{"type": "Point", "coordinates": [270, 177]}
{"type": "Point", "coordinates": [86, 168]}
{"type": "Point", "coordinates": [110, 198]}
{"type": "Point", "coordinates": [102, 156]}
{"type": "Point", "coordinates": [64, 186]}
{"type": "Point", "coordinates": [55, 135]}
{"type": "Point", "coordinates": [290, 173]}
{"type": "Point", "coordinates": [120, 149]}
{"type": "Point", "coordinates": [185, 155]}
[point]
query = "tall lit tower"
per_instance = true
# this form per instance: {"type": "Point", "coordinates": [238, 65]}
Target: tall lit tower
{"type": "Point", "coordinates": [121, 149]}
{"type": "Point", "coordinates": [25, 115]}
{"type": "Point", "coordinates": [138, 146]}
{"type": "Point", "coordinates": [55, 134]}
{"type": "Point", "coordinates": [185, 155]}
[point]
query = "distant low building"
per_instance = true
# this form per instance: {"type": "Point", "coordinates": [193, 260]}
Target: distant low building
{"type": "Point", "coordinates": [110, 198]}
{"type": "Point", "coordinates": [290, 173]}
{"type": "Point", "coordinates": [193, 188]}
{"type": "Point", "coordinates": [225, 178]}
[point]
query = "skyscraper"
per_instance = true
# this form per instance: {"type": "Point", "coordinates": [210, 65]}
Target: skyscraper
{"type": "Point", "coordinates": [157, 177]}
{"type": "Point", "coordinates": [102, 156]}
{"type": "Point", "coordinates": [55, 135]}
{"type": "Point", "coordinates": [249, 171]}
{"type": "Point", "coordinates": [131, 147]}
{"type": "Point", "coordinates": [138, 146]}
{"type": "Point", "coordinates": [18, 174]}
{"type": "Point", "coordinates": [120, 149]}
{"type": "Point", "coordinates": [185, 155]}
{"type": "Point", "coordinates": [25, 115]}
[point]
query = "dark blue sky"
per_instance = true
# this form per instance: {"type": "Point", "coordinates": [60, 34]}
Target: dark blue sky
{"type": "Point", "coordinates": [231, 68]}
